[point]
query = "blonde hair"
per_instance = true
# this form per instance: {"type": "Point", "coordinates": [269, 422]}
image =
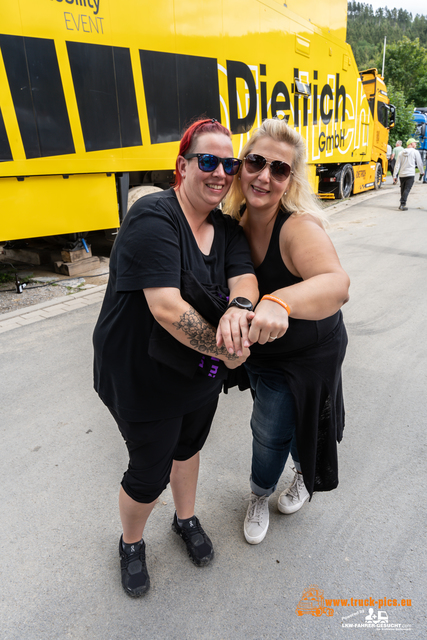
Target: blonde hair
{"type": "Point", "coordinates": [299, 198]}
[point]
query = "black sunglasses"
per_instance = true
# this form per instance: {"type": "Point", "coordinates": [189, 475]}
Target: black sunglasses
{"type": "Point", "coordinates": [207, 163]}
{"type": "Point", "coordinates": [279, 170]}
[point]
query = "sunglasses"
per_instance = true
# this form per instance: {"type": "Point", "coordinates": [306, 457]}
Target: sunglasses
{"type": "Point", "coordinates": [279, 170]}
{"type": "Point", "coordinates": [207, 163]}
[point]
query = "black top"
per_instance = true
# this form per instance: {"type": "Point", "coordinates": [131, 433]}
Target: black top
{"type": "Point", "coordinates": [272, 274]}
{"type": "Point", "coordinates": [310, 355]}
{"type": "Point", "coordinates": [153, 245]}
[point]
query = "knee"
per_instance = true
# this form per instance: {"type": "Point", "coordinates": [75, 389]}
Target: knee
{"type": "Point", "coordinates": [272, 435]}
{"type": "Point", "coordinates": [135, 483]}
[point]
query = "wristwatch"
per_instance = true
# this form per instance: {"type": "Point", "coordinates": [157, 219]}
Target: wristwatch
{"type": "Point", "coordinates": [241, 303]}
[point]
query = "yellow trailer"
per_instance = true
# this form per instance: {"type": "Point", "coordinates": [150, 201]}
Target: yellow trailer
{"type": "Point", "coordinates": [94, 95]}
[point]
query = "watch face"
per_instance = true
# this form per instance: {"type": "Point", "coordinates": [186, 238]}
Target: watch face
{"type": "Point", "coordinates": [242, 303]}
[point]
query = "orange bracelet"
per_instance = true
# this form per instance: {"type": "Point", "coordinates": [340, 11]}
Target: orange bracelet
{"type": "Point", "coordinates": [279, 301]}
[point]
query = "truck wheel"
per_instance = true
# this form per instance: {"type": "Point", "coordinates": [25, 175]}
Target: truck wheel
{"type": "Point", "coordinates": [345, 186]}
{"type": "Point", "coordinates": [138, 192]}
{"type": "Point", "coordinates": [378, 176]}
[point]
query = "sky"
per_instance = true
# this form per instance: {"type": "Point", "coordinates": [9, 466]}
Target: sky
{"type": "Point", "coordinates": [413, 6]}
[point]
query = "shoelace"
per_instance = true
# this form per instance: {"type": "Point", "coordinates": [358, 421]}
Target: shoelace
{"type": "Point", "coordinates": [294, 489]}
{"type": "Point", "coordinates": [256, 507]}
{"type": "Point", "coordinates": [128, 558]}
{"type": "Point", "coordinates": [194, 529]}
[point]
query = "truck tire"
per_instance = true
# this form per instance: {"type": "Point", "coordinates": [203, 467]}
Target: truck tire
{"type": "Point", "coordinates": [345, 186]}
{"type": "Point", "coordinates": [139, 192]}
{"type": "Point", "coordinates": [378, 176]}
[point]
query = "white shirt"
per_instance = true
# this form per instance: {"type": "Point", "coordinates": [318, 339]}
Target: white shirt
{"type": "Point", "coordinates": [406, 162]}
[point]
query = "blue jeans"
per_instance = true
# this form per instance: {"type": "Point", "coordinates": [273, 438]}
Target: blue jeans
{"type": "Point", "coordinates": [273, 428]}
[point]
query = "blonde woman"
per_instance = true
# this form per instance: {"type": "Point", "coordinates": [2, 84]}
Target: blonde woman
{"type": "Point", "coordinates": [299, 339]}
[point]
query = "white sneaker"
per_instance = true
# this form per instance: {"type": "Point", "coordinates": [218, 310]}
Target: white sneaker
{"type": "Point", "coordinates": [293, 498]}
{"type": "Point", "coordinates": [257, 519]}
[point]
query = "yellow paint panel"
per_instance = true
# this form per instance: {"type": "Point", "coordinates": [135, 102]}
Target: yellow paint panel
{"type": "Point", "coordinates": [312, 177]}
{"type": "Point", "coordinates": [10, 18]}
{"type": "Point", "coordinates": [76, 204]}
{"type": "Point", "coordinates": [144, 25]}
{"type": "Point", "coordinates": [272, 41]}
{"type": "Point", "coordinates": [302, 45]}
{"type": "Point", "coordinates": [363, 175]}
{"type": "Point", "coordinates": [255, 33]}
{"type": "Point", "coordinates": [329, 16]}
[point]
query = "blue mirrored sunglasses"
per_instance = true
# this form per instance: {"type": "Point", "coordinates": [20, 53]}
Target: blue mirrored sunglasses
{"type": "Point", "coordinates": [207, 163]}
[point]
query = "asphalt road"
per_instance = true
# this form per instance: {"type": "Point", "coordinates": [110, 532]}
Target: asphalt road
{"type": "Point", "coordinates": [62, 459]}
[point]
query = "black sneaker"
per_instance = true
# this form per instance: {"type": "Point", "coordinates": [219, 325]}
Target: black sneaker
{"type": "Point", "coordinates": [135, 578]}
{"type": "Point", "coordinates": [198, 544]}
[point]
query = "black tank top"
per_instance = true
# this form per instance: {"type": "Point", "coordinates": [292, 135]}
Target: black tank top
{"type": "Point", "coordinates": [272, 274]}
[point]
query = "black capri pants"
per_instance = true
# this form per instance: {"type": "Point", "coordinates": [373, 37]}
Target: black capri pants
{"type": "Point", "coordinates": [154, 445]}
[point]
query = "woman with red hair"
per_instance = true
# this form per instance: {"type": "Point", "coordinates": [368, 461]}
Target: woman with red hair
{"type": "Point", "coordinates": [158, 366]}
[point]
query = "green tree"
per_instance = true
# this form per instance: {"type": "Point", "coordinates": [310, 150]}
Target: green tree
{"type": "Point", "coordinates": [406, 68]}
{"type": "Point", "coordinates": [363, 24]}
{"type": "Point", "coordinates": [406, 57]}
{"type": "Point", "coordinates": [405, 126]}
{"type": "Point", "coordinates": [365, 53]}
{"type": "Point", "coordinates": [421, 97]}
{"type": "Point", "coordinates": [419, 29]}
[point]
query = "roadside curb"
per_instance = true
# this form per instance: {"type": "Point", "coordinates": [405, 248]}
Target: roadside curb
{"type": "Point", "coordinates": [387, 187]}
{"type": "Point", "coordinates": [50, 308]}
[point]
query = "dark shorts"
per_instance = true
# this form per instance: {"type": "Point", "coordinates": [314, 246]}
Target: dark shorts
{"type": "Point", "coordinates": [154, 445]}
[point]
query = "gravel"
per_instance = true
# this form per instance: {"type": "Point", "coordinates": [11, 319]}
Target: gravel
{"type": "Point", "coordinates": [38, 288]}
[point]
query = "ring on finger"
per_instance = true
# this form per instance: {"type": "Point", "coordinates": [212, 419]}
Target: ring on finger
{"type": "Point", "coordinates": [272, 337]}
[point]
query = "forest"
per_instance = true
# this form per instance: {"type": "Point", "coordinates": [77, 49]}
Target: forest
{"type": "Point", "coordinates": [405, 69]}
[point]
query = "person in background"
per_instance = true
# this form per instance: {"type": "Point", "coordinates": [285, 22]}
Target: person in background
{"type": "Point", "coordinates": [164, 407]}
{"type": "Point", "coordinates": [406, 163]}
{"type": "Point", "coordinates": [390, 159]}
{"type": "Point", "coordinates": [397, 149]}
{"type": "Point", "coordinates": [298, 335]}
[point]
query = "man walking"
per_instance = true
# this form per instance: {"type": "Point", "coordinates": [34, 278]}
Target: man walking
{"type": "Point", "coordinates": [395, 154]}
{"type": "Point", "coordinates": [397, 149]}
{"type": "Point", "coordinates": [406, 162]}
{"type": "Point", "coordinates": [390, 159]}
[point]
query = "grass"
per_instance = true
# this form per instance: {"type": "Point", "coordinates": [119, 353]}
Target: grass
{"type": "Point", "coordinates": [9, 276]}
{"type": "Point", "coordinates": [78, 287]}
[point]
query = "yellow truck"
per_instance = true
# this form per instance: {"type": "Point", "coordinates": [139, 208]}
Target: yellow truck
{"type": "Point", "coordinates": [94, 95]}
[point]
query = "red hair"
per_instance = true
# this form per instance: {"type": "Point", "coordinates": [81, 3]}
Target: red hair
{"type": "Point", "coordinates": [196, 129]}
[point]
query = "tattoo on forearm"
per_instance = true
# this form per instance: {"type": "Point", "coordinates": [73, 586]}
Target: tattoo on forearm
{"type": "Point", "coordinates": [201, 334]}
